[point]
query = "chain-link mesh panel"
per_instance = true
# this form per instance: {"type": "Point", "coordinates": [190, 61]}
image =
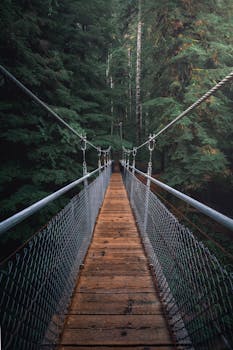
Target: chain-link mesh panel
{"type": "Point", "coordinates": [36, 283]}
{"type": "Point", "coordinates": [195, 288]}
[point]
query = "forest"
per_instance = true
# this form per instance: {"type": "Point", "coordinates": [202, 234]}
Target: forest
{"type": "Point", "coordinates": [116, 71]}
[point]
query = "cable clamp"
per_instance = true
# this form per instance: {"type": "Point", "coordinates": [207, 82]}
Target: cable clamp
{"type": "Point", "coordinates": [84, 168]}
{"type": "Point", "coordinates": [134, 151]}
{"type": "Point", "coordinates": [83, 143]}
{"type": "Point", "coordinates": [151, 144]}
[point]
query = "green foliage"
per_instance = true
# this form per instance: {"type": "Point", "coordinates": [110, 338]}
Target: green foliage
{"type": "Point", "coordinates": [187, 49]}
{"type": "Point", "coordinates": [196, 48]}
{"type": "Point", "coordinates": [59, 50]}
{"type": "Point", "coordinates": [62, 51]}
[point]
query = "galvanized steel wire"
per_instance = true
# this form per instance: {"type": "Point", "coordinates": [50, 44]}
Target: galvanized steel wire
{"type": "Point", "coordinates": [195, 289]}
{"type": "Point", "coordinates": [28, 92]}
{"type": "Point", "coordinates": [36, 284]}
{"type": "Point", "coordinates": [217, 87]}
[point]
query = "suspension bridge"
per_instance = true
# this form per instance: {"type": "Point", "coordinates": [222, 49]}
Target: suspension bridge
{"type": "Point", "coordinates": [115, 268]}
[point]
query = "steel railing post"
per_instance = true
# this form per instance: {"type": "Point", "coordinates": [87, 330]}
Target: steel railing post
{"type": "Point", "coordinates": [133, 175]}
{"type": "Point", "coordinates": [151, 146]}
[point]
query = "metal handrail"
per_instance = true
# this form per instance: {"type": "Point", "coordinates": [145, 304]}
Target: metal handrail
{"type": "Point", "coordinates": [38, 280]}
{"type": "Point", "coordinates": [7, 224]}
{"type": "Point", "coordinates": [194, 286]}
{"type": "Point", "coordinates": [213, 214]}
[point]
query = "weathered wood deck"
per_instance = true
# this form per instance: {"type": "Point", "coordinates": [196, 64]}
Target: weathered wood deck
{"type": "Point", "coordinates": [115, 302]}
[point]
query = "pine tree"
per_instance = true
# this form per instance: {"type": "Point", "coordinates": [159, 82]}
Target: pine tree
{"type": "Point", "coordinates": [58, 50]}
{"type": "Point", "coordinates": [138, 74]}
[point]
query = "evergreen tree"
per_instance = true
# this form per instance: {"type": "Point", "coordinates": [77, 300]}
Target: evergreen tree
{"type": "Point", "coordinates": [58, 50]}
{"type": "Point", "coordinates": [187, 48]}
{"type": "Point", "coordinates": [80, 58]}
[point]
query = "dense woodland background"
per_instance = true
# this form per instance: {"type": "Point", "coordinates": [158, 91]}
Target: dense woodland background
{"type": "Point", "coordinates": [80, 57]}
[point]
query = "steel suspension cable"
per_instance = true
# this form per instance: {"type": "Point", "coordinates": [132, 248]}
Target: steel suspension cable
{"type": "Point", "coordinates": [217, 87]}
{"type": "Point", "coordinates": [6, 73]}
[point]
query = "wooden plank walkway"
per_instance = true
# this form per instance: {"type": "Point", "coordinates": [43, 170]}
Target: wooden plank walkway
{"type": "Point", "coordinates": [115, 303]}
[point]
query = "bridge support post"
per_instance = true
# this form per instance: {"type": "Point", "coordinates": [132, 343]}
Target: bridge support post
{"type": "Point", "coordinates": [133, 174]}
{"type": "Point", "coordinates": [86, 194]}
{"type": "Point", "coordinates": [127, 163]}
{"type": "Point", "coordinates": [124, 162]}
{"type": "Point", "coordinates": [100, 174]}
{"type": "Point", "coordinates": [151, 146]}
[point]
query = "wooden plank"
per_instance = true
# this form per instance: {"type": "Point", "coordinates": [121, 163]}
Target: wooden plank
{"type": "Point", "coordinates": [116, 284]}
{"type": "Point", "coordinates": [109, 232]}
{"type": "Point", "coordinates": [132, 261]}
{"type": "Point", "coordinates": [127, 235]}
{"type": "Point", "coordinates": [107, 260]}
{"type": "Point", "coordinates": [136, 347]}
{"type": "Point", "coordinates": [98, 244]}
{"type": "Point", "coordinates": [120, 228]}
{"type": "Point", "coordinates": [116, 252]}
{"type": "Point", "coordinates": [117, 334]}
{"type": "Point", "coordinates": [106, 244]}
{"type": "Point", "coordinates": [114, 268]}
{"type": "Point", "coordinates": [119, 208]}
{"type": "Point", "coordinates": [116, 226]}
{"type": "Point", "coordinates": [118, 241]}
{"type": "Point", "coordinates": [116, 304]}
{"type": "Point", "coordinates": [116, 321]}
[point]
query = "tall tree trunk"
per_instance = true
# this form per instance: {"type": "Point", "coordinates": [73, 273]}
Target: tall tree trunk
{"type": "Point", "coordinates": [112, 86]}
{"type": "Point", "coordinates": [130, 83]}
{"type": "Point", "coordinates": [112, 106]}
{"type": "Point", "coordinates": [138, 74]}
{"type": "Point", "coordinates": [110, 82]}
{"type": "Point", "coordinates": [120, 129]}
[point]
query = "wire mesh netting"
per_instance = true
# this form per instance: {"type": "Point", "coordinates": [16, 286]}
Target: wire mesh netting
{"type": "Point", "coordinates": [195, 288]}
{"type": "Point", "coordinates": [36, 284]}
